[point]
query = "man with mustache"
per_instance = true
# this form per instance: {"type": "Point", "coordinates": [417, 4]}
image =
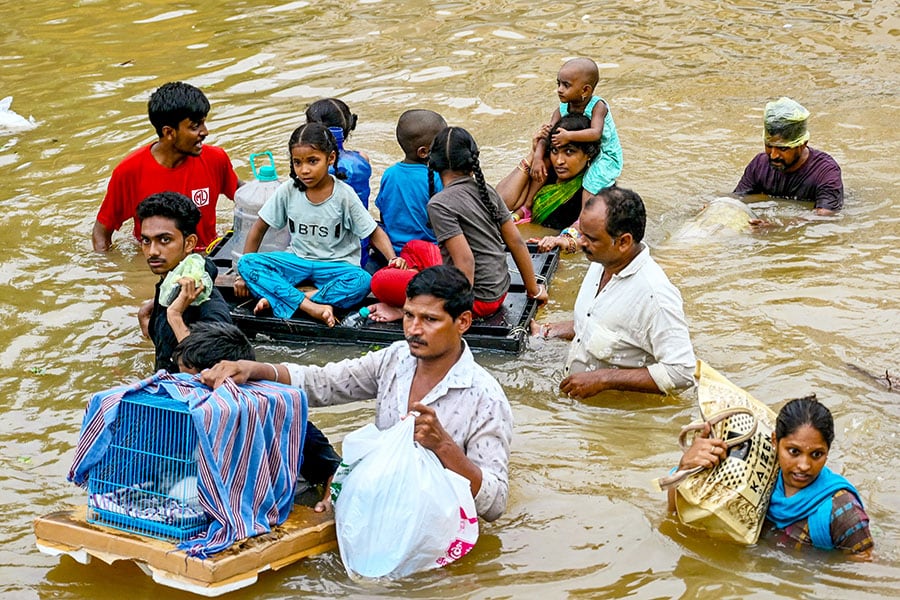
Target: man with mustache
{"type": "Point", "coordinates": [629, 332]}
{"type": "Point", "coordinates": [168, 223]}
{"type": "Point", "coordinates": [789, 168]}
{"type": "Point", "coordinates": [461, 412]}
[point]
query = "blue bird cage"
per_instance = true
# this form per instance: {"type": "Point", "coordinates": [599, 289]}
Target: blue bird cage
{"type": "Point", "coordinates": [146, 483]}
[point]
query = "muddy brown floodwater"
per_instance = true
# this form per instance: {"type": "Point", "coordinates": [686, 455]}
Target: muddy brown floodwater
{"type": "Point", "coordinates": [808, 306]}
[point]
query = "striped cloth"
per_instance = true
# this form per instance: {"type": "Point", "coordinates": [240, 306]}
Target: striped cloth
{"type": "Point", "coordinates": [251, 442]}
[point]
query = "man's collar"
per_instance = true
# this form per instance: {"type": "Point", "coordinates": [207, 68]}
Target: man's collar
{"type": "Point", "coordinates": [636, 263]}
{"type": "Point", "coordinates": [460, 374]}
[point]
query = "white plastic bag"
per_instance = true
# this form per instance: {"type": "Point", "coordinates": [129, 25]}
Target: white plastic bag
{"type": "Point", "coordinates": [396, 508]}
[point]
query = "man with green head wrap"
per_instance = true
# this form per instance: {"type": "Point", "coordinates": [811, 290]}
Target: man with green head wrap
{"type": "Point", "coordinates": [789, 168]}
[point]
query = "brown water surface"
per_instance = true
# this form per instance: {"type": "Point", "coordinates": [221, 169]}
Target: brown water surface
{"type": "Point", "coordinates": [808, 306]}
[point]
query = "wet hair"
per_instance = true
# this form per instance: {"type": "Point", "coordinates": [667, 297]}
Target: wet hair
{"type": "Point", "coordinates": [587, 68]}
{"type": "Point", "coordinates": [576, 123]}
{"type": "Point", "coordinates": [625, 212]}
{"type": "Point", "coordinates": [447, 283]}
{"type": "Point", "coordinates": [417, 128]}
{"type": "Point", "coordinates": [171, 205]}
{"type": "Point", "coordinates": [454, 149]}
{"type": "Point", "coordinates": [174, 102]}
{"type": "Point", "coordinates": [317, 136]}
{"type": "Point", "coordinates": [211, 342]}
{"type": "Point", "coordinates": [332, 112]}
{"type": "Point", "coordinates": [805, 411]}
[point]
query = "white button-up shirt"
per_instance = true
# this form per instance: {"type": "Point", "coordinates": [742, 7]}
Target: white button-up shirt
{"type": "Point", "coordinates": [636, 320]}
{"type": "Point", "coordinates": [469, 403]}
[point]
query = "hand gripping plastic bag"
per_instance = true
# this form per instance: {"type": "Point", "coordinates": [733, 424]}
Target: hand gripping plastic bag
{"type": "Point", "coordinates": [193, 266]}
{"type": "Point", "coordinates": [396, 508]}
{"type": "Point", "coordinates": [730, 500]}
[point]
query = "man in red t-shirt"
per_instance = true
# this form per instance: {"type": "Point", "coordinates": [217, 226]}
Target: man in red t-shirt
{"type": "Point", "coordinates": [177, 162]}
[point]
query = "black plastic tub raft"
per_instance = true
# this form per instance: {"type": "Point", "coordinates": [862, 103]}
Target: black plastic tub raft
{"type": "Point", "coordinates": [505, 331]}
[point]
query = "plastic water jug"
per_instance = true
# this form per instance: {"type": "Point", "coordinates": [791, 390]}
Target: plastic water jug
{"type": "Point", "coordinates": [251, 197]}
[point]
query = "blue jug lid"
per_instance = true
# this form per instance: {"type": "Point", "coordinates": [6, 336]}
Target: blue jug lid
{"type": "Point", "coordinates": [265, 172]}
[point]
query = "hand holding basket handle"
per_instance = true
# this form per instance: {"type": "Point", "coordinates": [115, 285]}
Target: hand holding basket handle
{"type": "Point", "coordinates": [708, 453]}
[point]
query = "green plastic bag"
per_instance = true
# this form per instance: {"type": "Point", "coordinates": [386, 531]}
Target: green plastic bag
{"type": "Point", "coordinates": [194, 266]}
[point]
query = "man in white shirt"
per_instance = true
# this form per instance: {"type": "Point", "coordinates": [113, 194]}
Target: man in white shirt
{"type": "Point", "coordinates": [629, 331]}
{"type": "Point", "coordinates": [463, 414]}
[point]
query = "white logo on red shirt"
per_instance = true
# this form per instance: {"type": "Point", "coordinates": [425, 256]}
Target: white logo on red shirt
{"type": "Point", "coordinates": [200, 197]}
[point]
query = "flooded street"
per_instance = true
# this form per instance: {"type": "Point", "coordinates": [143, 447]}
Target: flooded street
{"type": "Point", "coordinates": [808, 306]}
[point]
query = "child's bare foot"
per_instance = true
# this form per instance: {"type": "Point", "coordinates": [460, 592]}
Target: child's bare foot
{"type": "Point", "coordinates": [384, 313]}
{"type": "Point", "coordinates": [262, 306]}
{"type": "Point", "coordinates": [321, 312]}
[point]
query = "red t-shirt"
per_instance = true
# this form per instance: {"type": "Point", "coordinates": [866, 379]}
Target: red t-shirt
{"type": "Point", "coordinates": [200, 178]}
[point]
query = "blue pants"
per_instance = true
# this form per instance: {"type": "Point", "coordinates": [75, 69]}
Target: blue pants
{"type": "Point", "coordinates": [273, 275]}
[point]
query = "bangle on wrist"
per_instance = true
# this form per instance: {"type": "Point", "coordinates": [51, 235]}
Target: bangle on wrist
{"type": "Point", "coordinates": [571, 232]}
{"type": "Point", "coordinates": [573, 236]}
{"type": "Point", "coordinates": [541, 288]}
{"type": "Point", "coordinates": [274, 370]}
{"type": "Point", "coordinates": [571, 245]}
{"type": "Point", "coordinates": [524, 166]}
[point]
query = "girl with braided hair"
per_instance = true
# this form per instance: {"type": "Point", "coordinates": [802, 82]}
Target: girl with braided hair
{"type": "Point", "coordinates": [473, 228]}
{"type": "Point", "coordinates": [472, 224]}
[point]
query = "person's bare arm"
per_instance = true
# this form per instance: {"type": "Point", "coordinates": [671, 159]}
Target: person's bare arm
{"type": "Point", "coordinates": [592, 134]}
{"type": "Point", "coordinates": [564, 330]}
{"type": "Point", "coordinates": [190, 290]}
{"type": "Point", "coordinates": [382, 243]}
{"type": "Point", "coordinates": [591, 383]}
{"type": "Point", "coordinates": [549, 242]}
{"type": "Point", "coordinates": [704, 451]}
{"type": "Point", "coordinates": [522, 258]}
{"type": "Point", "coordinates": [101, 237]}
{"type": "Point", "coordinates": [242, 371]}
{"type": "Point", "coordinates": [538, 167]}
{"type": "Point", "coordinates": [255, 236]}
{"type": "Point", "coordinates": [518, 189]}
{"type": "Point", "coordinates": [144, 313]}
{"type": "Point", "coordinates": [514, 188]}
{"type": "Point", "coordinates": [461, 255]}
{"type": "Point", "coordinates": [251, 244]}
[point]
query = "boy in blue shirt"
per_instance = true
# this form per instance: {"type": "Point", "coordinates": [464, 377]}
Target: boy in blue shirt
{"type": "Point", "coordinates": [402, 200]}
{"type": "Point", "coordinates": [403, 194]}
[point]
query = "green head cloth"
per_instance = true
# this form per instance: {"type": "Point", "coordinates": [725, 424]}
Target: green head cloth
{"type": "Point", "coordinates": [785, 123]}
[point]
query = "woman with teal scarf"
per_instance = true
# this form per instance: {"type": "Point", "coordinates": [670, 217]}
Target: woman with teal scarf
{"type": "Point", "coordinates": [811, 505]}
{"type": "Point", "coordinates": [554, 203]}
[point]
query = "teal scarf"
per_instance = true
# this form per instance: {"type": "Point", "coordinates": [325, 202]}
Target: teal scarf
{"type": "Point", "coordinates": [812, 503]}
